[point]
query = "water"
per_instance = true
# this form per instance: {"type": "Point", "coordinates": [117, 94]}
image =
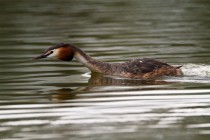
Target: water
{"type": "Point", "coordinates": [50, 99]}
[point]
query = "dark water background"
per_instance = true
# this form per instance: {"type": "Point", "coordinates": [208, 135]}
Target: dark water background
{"type": "Point", "coordinates": [50, 99]}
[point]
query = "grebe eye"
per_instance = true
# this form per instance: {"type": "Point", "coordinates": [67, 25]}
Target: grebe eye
{"type": "Point", "coordinates": [52, 51]}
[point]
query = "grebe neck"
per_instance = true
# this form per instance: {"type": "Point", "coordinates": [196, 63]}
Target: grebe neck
{"type": "Point", "coordinates": [91, 63]}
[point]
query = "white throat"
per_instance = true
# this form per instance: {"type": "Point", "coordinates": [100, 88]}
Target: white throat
{"type": "Point", "coordinates": [85, 61]}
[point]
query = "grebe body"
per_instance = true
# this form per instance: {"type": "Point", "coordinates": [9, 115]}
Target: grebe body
{"type": "Point", "coordinates": [145, 68]}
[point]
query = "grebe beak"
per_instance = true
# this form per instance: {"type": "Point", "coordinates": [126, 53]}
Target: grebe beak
{"type": "Point", "coordinates": [44, 55]}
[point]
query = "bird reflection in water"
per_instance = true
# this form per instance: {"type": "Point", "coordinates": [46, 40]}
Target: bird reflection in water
{"type": "Point", "coordinates": [103, 80]}
{"type": "Point", "coordinates": [100, 80]}
{"type": "Point", "coordinates": [62, 94]}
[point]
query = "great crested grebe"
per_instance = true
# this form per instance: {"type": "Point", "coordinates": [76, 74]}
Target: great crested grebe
{"type": "Point", "coordinates": [144, 68]}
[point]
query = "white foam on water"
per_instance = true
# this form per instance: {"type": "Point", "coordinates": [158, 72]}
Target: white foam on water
{"type": "Point", "coordinates": [200, 70]}
{"type": "Point", "coordinates": [193, 73]}
{"type": "Point", "coordinates": [87, 74]}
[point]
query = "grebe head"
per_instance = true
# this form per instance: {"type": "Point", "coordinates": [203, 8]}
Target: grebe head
{"type": "Point", "coordinates": [61, 51]}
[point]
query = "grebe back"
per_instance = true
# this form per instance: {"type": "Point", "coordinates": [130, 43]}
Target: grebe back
{"type": "Point", "coordinates": [144, 68]}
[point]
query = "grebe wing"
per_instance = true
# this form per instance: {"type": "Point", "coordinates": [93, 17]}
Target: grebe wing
{"type": "Point", "coordinates": [144, 65]}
